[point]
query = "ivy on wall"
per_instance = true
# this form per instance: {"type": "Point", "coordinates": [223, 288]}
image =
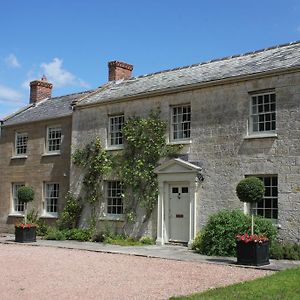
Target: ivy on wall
{"type": "Point", "coordinates": [144, 147]}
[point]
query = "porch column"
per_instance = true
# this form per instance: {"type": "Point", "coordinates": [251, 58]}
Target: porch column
{"type": "Point", "coordinates": [192, 223]}
{"type": "Point", "coordinates": [160, 215]}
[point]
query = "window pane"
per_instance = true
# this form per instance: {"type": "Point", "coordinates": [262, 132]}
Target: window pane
{"type": "Point", "coordinates": [181, 122]}
{"type": "Point", "coordinates": [114, 198]}
{"type": "Point", "coordinates": [54, 139]}
{"type": "Point", "coordinates": [51, 197]}
{"type": "Point", "coordinates": [264, 112]}
{"type": "Point", "coordinates": [116, 124]}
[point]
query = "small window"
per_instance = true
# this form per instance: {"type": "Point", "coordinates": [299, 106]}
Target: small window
{"type": "Point", "coordinates": [263, 113]}
{"type": "Point", "coordinates": [54, 139]}
{"type": "Point", "coordinates": [51, 197]}
{"type": "Point", "coordinates": [114, 198]}
{"type": "Point", "coordinates": [21, 143]}
{"type": "Point", "coordinates": [185, 190]}
{"type": "Point", "coordinates": [18, 206]}
{"type": "Point", "coordinates": [116, 124]}
{"type": "Point", "coordinates": [268, 207]}
{"type": "Point", "coordinates": [181, 122]}
{"type": "Point", "coordinates": [175, 190]}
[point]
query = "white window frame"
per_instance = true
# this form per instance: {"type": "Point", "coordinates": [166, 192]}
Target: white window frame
{"type": "Point", "coordinates": [21, 140]}
{"type": "Point", "coordinates": [15, 201]}
{"type": "Point", "coordinates": [48, 197]}
{"type": "Point", "coordinates": [180, 123]}
{"type": "Point", "coordinates": [268, 118]}
{"type": "Point", "coordinates": [117, 140]}
{"type": "Point", "coordinates": [110, 196]}
{"type": "Point", "coordinates": [58, 129]}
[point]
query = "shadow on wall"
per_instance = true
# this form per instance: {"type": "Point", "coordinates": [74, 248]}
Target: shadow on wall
{"type": "Point", "coordinates": [258, 146]}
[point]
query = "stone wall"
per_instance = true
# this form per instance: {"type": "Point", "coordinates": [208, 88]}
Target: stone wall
{"type": "Point", "coordinates": [219, 128]}
{"type": "Point", "coordinates": [34, 170]}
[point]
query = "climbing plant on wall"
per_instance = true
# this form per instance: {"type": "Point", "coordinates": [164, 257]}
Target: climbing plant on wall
{"type": "Point", "coordinates": [144, 146]}
{"type": "Point", "coordinates": [97, 164]}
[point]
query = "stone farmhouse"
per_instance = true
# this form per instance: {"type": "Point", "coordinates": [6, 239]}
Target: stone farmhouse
{"type": "Point", "coordinates": [236, 116]}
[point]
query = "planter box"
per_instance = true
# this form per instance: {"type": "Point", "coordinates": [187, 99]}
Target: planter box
{"type": "Point", "coordinates": [253, 254]}
{"type": "Point", "coordinates": [25, 235]}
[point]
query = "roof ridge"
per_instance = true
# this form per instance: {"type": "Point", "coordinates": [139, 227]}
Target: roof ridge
{"type": "Point", "coordinates": [78, 93]}
{"type": "Point", "coordinates": [218, 59]}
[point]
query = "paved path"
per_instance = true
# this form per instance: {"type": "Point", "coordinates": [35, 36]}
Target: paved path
{"type": "Point", "coordinates": [166, 252]}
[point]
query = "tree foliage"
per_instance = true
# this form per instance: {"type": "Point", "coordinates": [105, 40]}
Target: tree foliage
{"type": "Point", "coordinates": [25, 194]}
{"type": "Point", "coordinates": [250, 190]}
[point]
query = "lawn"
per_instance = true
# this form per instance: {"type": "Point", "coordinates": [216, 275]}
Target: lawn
{"type": "Point", "coordinates": [281, 285]}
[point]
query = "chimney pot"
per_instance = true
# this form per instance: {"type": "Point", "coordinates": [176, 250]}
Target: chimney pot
{"type": "Point", "coordinates": [119, 70]}
{"type": "Point", "coordinates": [40, 90]}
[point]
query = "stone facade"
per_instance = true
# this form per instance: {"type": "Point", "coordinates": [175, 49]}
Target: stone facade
{"type": "Point", "coordinates": [220, 141]}
{"type": "Point", "coordinates": [34, 169]}
{"type": "Point", "coordinates": [220, 95]}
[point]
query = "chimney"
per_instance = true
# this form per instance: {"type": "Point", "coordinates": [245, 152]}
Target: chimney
{"type": "Point", "coordinates": [119, 70]}
{"type": "Point", "coordinates": [40, 90]}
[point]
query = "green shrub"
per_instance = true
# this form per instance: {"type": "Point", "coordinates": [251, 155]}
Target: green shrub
{"type": "Point", "coordinates": [146, 240]}
{"type": "Point", "coordinates": [54, 234]}
{"type": "Point", "coordinates": [218, 237]}
{"type": "Point", "coordinates": [78, 234]}
{"type": "Point", "coordinates": [69, 217]}
{"type": "Point", "coordinates": [33, 218]}
{"type": "Point", "coordinates": [285, 251]}
{"type": "Point", "coordinates": [250, 190]}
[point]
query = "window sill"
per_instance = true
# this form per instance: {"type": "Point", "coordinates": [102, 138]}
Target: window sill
{"type": "Point", "coordinates": [119, 218]}
{"type": "Point", "coordinates": [179, 142]}
{"type": "Point", "coordinates": [50, 154]}
{"type": "Point", "coordinates": [16, 215]}
{"type": "Point", "coordinates": [19, 157]}
{"type": "Point", "coordinates": [260, 136]}
{"type": "Point", "coordinates": [114, 148]}
{"type": "Point", "coordinates": [45, 216]}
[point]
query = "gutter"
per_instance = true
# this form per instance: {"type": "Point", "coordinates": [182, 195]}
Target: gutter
{"type": "Point", "coordinates": [184, 88]}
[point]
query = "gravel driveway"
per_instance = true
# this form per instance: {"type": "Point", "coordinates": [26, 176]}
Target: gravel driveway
{"type": "Point", "coordinates": [52, 273]}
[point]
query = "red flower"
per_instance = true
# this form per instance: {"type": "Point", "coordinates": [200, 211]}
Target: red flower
{"type": "Point", "coordinates": [22, 225]}
{"type": "Point", "coordinates": [246, 238]}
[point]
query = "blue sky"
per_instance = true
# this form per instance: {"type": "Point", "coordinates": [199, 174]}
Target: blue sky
{"type": "Point", "coordinates": [72, 41]}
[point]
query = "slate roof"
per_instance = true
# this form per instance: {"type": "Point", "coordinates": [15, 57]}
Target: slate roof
{"type": "Point", "coordinates": [278, 57]}
{"type": "Point", "coordinates": [52, 108]}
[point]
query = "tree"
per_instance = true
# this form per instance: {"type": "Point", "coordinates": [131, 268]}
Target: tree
{"type": "Point", "coordinates": [25, 195]}
{"type": "Point", "coordinates": [250, 190]}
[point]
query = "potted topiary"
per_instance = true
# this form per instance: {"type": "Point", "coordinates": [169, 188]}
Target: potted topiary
{"type": "Point", "coordinates": [251, 249]}
{"type": "Point", "coordinates": [25, 232]}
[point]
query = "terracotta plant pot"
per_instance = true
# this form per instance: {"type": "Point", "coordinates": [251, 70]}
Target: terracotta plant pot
{"type": "Point", "coordinates": [25, 235]}
{"type": "Point", "coordinates": [252, 253]}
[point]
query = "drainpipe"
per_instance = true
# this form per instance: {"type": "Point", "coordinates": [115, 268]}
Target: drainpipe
{"type": "Point", "coordinates": [1, 124]}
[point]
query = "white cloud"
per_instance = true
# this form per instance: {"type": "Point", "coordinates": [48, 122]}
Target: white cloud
{"type": "Point", "coordinates": [9, 95]}
{"type": "Point", "coordinates": [59, 76]}
{"type": "Point", "coordinates": [12, 61]}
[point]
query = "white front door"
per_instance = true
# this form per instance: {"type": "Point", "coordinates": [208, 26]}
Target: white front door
{"type": "Point", "coordinates": [179, 213]}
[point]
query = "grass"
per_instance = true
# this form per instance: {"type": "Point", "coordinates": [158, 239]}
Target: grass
{"type": "Point", "coordinates": [281, 285]}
